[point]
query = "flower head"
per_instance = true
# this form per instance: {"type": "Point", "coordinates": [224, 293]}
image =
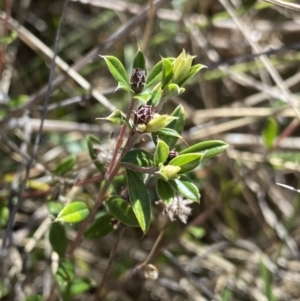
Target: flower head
{"type": "Point", "coordinates": [178, 207]}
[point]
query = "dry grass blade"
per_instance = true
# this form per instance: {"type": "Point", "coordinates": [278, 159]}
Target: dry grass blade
{"type": "Point", "coordinates": [33, 42]}
{"type": "Point", "coordinates": [285, 4]}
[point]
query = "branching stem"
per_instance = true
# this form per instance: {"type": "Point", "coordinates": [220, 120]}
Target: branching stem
{"type": "Point", "coordinates": [113, 169]}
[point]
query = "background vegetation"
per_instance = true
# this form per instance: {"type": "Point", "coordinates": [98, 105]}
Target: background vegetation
{"type": "Point", "coordinates": [242, 241]}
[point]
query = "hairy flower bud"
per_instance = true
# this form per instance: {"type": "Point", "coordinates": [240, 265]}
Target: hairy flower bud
{"type": "Point", "coordinates": [143, 114]}
{"type": "Point", "coordinates": [138, 80]}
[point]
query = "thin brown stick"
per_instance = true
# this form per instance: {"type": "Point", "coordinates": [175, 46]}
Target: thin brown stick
{"type": "Point", "coordinates": [154, 248]}
{"type": "Point", "coordinates": [113, 169]}
{"type": "Point", "coordinates": [110, 262]}
{"type": "Point", "coordinates": [149, 26]}
{"type": "Point", "coordinates": [120, 138]}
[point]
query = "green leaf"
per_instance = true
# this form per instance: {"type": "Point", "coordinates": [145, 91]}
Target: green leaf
{"type": "Point", "coordinates": [117, 117]}
{"type": "Point", "coordinates": [8, 39]}
{"type": "Point", "coordinates": [91, 140]}
{"type": "Point", "coordinates": [187, 162]}
{"type": "Point", "coordinates": [176, 125]}
{"type": "Point", "coordinates": [161, 152]}
{"type": "Point", "coordinates": [124, 87]}
{"type": "Point", "coordinates": [118, 71]}
{"type": "Point", "coordinates": [54, 207]}
{"type": "Point", "coordinates": [142, 97]}
{"type": "Point", "coordinates": [156, 95]}
{"type": "Point", "coordinates": [122, 211]}
{"type": "Point", "coordinates": [155, 75]}
{"type": "Point", "coordinates": [168, 132]}
{"type": "Point", "coordinates": [186, 188]}
{"type": "Point", "coordinates": [165, 191]}
{"type": "Point", "coordinates": [208, 148]}
{"type": "Point", "coordinates": [73, 213]}
{"type": "Point", "coordinates": [65, 273]}
{"type": "Point", "coordinates": [77, 286]}
{"type": "Point", "coordinates": [196, 231]}
{"type": "Point", "coordinates": [159, 122]}
{"type": "Point", "coordinates": [100, 227]}
{"type": "Point", "coordinates": [4, 289]}
{"type": "Point", "coordinates": [65, 165]}
{"type": "Point", "coordinates": [167, 73]}
{"type": "Point", "coordinates": [139, 158]}
{"type": "Point", "coordinates": [32, 298]}
{"type": "Point", "coordinates": [58, 239]}
{"type": "Point", "coordinates": [139, 198]}
{"type": "Point", "coordinates": [139, 60]}
{"type": "Point", "coordinates": [270, 132]}
{"type": "Point", "coordinates": [193, 71]}
{"type": "Point", "coordinates": [266, 276]}
{"type": "Point", "coordinates": [172, 90]}
{"type": "Point", "coordinates": [4, 216]}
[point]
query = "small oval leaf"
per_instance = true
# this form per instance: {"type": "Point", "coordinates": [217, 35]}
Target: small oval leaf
{"type": "Point", "coordinates": [161, 152]}
{"type": "Point", "coordinates": [100, 227]}
{"type": "Point", "coordinates": [270, 132]}
{"type": "Point", "coordinates": [155, 75]}
{"type": "Point", "coordinates": [175, 125]}
{"type": "Point", "coordinates": [186, 188]}
{"type": "Point", "coordinates": [65, 165]}
{"type": "Point", "coordinates": [139, 198]}
{"type": "Point", "coordinates": [208, 148]}
{"type": "Point", "coordinates": [139, 60]}
{"type": "Point", "coordinates": [139, 158]}
{"type": "Point", "coordinates": [65, 272]}
{"type": "Point", "coordinates": [167, 73]}
{"type": "Point", "coordinates": [165, 191]}
{"type": "Point", "coordinates": [91, 141]}
{"type": "Point", "coordinates": [118, 71]}
{"type": "Point", "coordinates": [122, 211]}
{"type": "Point", "coordinates": [77, 286]}
{"type": "Point", "coordinates": [142, 97]}
{"type": "Point", "coordinates": [187, 162]}
{"type": "Point", "coordinates": [73, 213]}
{"type": "Point", "coordinates": [58, 239]}
{"type": "Point", "coordinates": [54, 207]}
{"type": "Point", "coordinates": [172, 90]}
{"type": "Point", "coordinates": [193, 71]}
{"type": "Point", "coordinates": [156, 95]}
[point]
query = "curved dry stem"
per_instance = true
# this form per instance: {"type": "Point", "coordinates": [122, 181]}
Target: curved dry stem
{"type": "Point", "coordinates": [110, 262]}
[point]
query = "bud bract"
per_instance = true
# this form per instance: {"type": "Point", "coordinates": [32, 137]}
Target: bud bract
{"type": "Point", "coordinates": [159, 122]}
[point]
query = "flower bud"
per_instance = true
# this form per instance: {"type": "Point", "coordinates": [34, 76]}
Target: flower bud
{"type": "Point", "coordinates": [138, 80]}
{"type": "Point", "coordinates": [143, 114]}
{"type": "Point", "coordinates": [181, 67]}
{"type": "Point", "coordinates": [169, 172]}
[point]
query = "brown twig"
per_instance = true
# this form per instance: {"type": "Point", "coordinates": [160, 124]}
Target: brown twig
{"type": "Point", "coordinates": [149, 26]}
{"type": "Point", "coordinates": [110, 262]}
{"type": "Point", "coordinates": [113, 169]}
